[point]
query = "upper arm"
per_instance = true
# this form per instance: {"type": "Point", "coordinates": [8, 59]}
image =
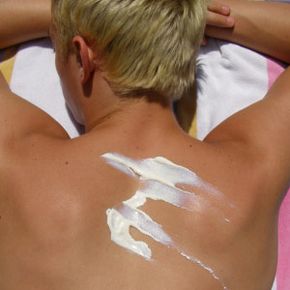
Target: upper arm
{"type": "Point", "coordinates": [19, 118]}
{"type": "Point", "coordinates": [263, 129]}
{"type": "Point", "coordinates": [21, 23]}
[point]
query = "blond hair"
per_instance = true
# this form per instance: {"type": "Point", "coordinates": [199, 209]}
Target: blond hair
{"type": "Point", "coordinates": [146, 45]}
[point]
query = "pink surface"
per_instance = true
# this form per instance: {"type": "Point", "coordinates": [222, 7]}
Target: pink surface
{"type": "Point", "coordinates": [283, 270]}
{"type": "Point", "coordinates": [283, 273]}
{"type": "Point", "coordinates": [274, 70]}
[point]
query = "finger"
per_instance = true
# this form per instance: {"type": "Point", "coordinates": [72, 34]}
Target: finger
{"type": "Point", "coordinates": [214, 19]}
{"type": "Point", "coordinates": [219, 8]}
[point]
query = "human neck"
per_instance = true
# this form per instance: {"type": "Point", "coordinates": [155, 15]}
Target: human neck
{"type": "Point", "coordinates": [134, 115]}
{"type": "Point", "coordinates": [104, 110]}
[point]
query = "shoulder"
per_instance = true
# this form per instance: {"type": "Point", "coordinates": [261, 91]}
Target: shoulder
{"type": "Point", "coordinates": [257, 139]}
{"type": "Point", "coordinates": [238, 170]}
{"type": "Point", "coordinates": [19, 117]}
{"type": "Point", "coordinates": [245, 175]}
{"type": "Point", "coordinates": [20, 120]}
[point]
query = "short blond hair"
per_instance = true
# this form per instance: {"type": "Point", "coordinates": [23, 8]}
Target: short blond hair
{"type": "Point", "coordinates": [147, 46]}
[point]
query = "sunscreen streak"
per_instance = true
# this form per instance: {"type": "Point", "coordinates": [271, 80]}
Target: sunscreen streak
{"type": "Point", "coordinates": [159, 178]}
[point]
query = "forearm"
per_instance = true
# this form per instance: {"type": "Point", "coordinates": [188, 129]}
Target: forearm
{"type": "Point", "coordinates": [23, 20]}
{"type": "Point", "coordinates": [262, 26]}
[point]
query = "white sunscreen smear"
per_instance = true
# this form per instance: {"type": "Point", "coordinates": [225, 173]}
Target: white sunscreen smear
{"type": "Point", "coordinates": [159, 178]}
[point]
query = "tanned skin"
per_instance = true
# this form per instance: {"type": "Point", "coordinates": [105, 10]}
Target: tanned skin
{"type": "Point", "coordinates": [55, 191]}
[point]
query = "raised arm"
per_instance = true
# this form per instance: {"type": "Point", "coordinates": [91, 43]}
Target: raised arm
{"type": "Point", "coordinates": [23, 20]}
{"type": "Point", "coordinates": [262, 26]}
{"type": "Point", "coordinates": [259, 137]}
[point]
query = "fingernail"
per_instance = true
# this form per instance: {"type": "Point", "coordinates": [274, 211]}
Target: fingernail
{"type": "Point", "coordinates": [231, 21]}
{"type": "Point", "coordinates": [226, 9]}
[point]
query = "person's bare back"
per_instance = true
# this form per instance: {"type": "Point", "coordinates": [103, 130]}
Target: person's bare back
{"type": "Point", "coordinates": [57, 195]}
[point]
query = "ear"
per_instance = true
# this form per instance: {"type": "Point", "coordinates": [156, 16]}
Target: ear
{"type": "Point", "coordinates": [85, 58]}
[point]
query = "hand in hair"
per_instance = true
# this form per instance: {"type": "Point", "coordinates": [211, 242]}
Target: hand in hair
{"type": "Point", "coordinates": [219, 15]}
